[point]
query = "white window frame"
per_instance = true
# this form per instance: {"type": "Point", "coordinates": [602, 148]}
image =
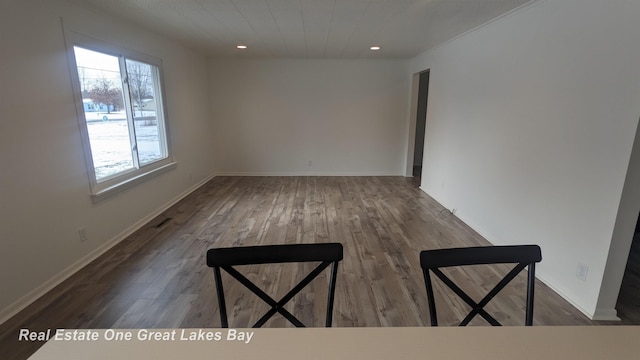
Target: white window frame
{"type": "Point", "coordinates": [116, 183]}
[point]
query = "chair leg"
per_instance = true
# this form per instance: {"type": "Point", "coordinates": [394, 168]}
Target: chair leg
{"type": "Point", "coordinates": [430, 298]}
{"type": "Point", "coordinates": [531, 282]}
{"type": "Point", "coordinates": [332, 291]}
{"type": "Point", "coordinates": [221, 303]}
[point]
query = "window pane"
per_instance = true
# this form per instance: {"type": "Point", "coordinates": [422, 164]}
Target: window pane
{"type": "Point", "coordinates": [103, 102]}
{"type": "Point", "coordinates": [146, 111]}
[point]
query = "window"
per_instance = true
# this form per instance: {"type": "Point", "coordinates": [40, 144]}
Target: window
{"type": "Point", "coordinates": [121, 110]}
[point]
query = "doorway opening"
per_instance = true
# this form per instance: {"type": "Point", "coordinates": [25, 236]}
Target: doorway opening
{"type": "Point", "coordinates": [421, 124]}
{"type": "Point", "coordinates": [628, 304]}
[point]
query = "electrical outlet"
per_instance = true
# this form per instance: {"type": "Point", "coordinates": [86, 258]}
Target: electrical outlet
{"type": "Point", "coordinates": [82, 234]}
{"type": "Point", "coordinates": [310, 163]}
{"type": "Point", "coordinates": [581, 271]}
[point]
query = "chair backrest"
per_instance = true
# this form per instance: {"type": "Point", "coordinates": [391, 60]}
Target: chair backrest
{"type": "Point", "coordinates": [226, 258]}
{"type": "Point", "coordinates": [521, 255]}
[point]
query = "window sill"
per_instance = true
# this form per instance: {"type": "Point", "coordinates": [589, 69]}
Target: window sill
{"type": "Point", "coordinates": [131, 182]}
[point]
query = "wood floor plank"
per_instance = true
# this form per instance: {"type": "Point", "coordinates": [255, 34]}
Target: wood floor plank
{"type": "Point", "coordinates": [157, 277]}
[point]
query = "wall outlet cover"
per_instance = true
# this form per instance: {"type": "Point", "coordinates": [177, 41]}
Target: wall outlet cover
{"type": "Point", "coordinates": [581, 271]}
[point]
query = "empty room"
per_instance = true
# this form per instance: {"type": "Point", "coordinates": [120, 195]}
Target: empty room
{"type": "Point", "coordinates": [138, 135]}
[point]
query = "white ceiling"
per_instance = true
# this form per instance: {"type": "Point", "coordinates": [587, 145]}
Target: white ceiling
{"type": "Point", "coordinates": [307, 28]}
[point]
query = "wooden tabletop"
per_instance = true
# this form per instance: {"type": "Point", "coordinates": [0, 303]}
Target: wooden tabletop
{"type": "Point", "coordinates": [560, 342]}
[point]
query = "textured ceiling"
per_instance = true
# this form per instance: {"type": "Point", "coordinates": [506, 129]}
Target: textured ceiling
{"type": "Point", "coordinates": [307, 28]}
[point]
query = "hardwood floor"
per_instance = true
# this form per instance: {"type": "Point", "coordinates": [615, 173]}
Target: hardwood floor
{"type": "Point", "coordinates": [157, 277]}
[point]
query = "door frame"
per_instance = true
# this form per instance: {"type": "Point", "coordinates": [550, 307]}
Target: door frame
{"type": "Point", "coordinates": [411, 141]}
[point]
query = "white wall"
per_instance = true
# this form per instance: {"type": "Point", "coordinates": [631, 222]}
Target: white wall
{"type": "Point", "coordinates": [530, 127]}
{"type": "Point", "coordinates": [348, 117]}
{"type": "Point", "coordinates": [44, 189]}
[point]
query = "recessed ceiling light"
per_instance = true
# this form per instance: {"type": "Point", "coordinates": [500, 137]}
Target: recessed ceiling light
{"type": "Point", "coordinates": [375, 48]}
{"type": "Point", "coordinates": [241, 46]}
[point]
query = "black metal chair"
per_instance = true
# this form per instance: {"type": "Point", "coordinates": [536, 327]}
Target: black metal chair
{"type": "Point", "coordinates": [521, 255]}
{"type": "Point", "coordinates": [226, 258]}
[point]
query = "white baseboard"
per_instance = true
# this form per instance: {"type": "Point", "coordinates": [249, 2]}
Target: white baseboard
{"type": "Point", "coordinates": [48, 285]}
{"type": "Point", "coordinates": [569, 299]}
{"type": "Point", "coordinates": [606, 315]}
